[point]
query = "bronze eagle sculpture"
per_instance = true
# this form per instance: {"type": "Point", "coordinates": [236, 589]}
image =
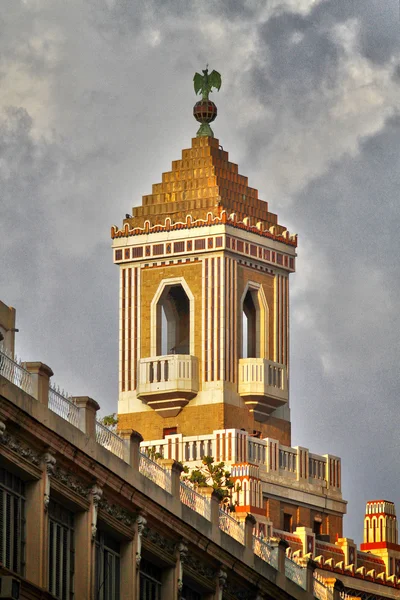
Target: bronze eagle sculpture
{"type": "Point", "coordinates": [204, 83]}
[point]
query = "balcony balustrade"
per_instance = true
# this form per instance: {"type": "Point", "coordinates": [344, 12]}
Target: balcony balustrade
{"type": "Point", "coordinates": [262, 385]}
{"type": "Point", "coordinates": [167, 383]}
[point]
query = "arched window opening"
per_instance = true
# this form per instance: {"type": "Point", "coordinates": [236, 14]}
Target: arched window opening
{"type": "Point", "coordinates": [251, 325]}
{"type": "Point", "coordinates": [173, 321]}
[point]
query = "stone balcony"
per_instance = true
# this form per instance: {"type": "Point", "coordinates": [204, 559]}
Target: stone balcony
{"type": "Point", "coordinates": [262, 385]}
{"type": "Point", "coordinates": [167, 383]}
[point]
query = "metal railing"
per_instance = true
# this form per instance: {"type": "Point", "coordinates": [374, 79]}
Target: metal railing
{"type": "Point", "coordinates": [230, 526]}
{"type": "Point", "coordinates": [110, 440]}
{"type": "Point", "coordinates": [12, 369]}
{"type": "Point", "coordinates": [195, 501]}
{"type": "Point", "coordinates": [296, 573]}
{"type": "Point", "coordinates": [153, 471]}
{"type": "Point", "coordinates": [60, 404]}
{"type": "Point", "coordinates": [262, 549]}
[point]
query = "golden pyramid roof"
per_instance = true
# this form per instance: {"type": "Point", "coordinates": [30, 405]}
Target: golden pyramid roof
{"type": "Point", "coordinates": [202, 186]}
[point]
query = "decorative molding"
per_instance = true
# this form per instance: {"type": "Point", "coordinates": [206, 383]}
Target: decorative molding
{"type": "Point", "coordinates": [222, 582]}
{"type": "Point", "coordinates": [50, 463]}
{"type": "Point", "coordinates": [141, 524]}
{"type": "Point", "coordinates": [183, 552]}
{"type": "Point", "coordinates": [16, 445]}
{"type": "Point", "coordinates": [117, 512]}
{"type": "Point", "coordinates": [284, 237]}
{"type": "Point", "coordinates": [96, 493]}
{"type": "Point", "coordinates": [71, 482]}
{"type": "Point", "coordinates": [232, 591]}
{"type": "Point", "coordinates": [2, 429]}
{"type": "Point", "coordinates": [196, 565]}
{"type": "Point", "coordinates": [159, 540]}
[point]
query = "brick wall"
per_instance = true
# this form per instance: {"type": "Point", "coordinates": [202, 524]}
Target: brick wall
{"type": "Point", "coordinates": [203, 419]}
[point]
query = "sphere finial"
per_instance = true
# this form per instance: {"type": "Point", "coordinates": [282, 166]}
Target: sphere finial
{"type": "Point", "coordinates": [205, 110]}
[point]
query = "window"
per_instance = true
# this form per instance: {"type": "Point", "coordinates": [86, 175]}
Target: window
{"type": "Point", "coordinates": [317, 527]}
{"type": "Point", "coordinates": [150, 581]}
{"type": "Point", "coordinates": [169, 431]}
{"type": "Point", "coordinates": [107, 567]}
{"type": "Point", "coordinates": [249, 326]}
{"type": "Point", "coordinates": [287, 522]}
{"type": "Point", "coordinates": [61, 551]}
{"type": "Point", "coordinates": [173, 313]}
{"type": "Point", "coordinates": [12, 517]}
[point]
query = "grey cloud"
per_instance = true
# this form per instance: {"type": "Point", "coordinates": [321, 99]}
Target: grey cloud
{"type": "Point", "coordinates": [101, 96]}
{"type": "Point", "coordinates": [378, 23]}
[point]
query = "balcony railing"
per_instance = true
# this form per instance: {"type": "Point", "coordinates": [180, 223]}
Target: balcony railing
{"type": "Point", "coordinates": [195, 501]}
{"type": "Point", "coordinates": [150, 469]}
{"type": "Point", "coordinates": [265, 552]}
{"type": "Point", "coordinates": [167, 383]}
{"type": "Point", "coordinates": [110, 440]}
{"type": "Point", "coordinates": [63, 406]}
{"type": "Point", "coordinates": [230, 526]}
{"type": "Point", "coordinates": [13, 369]}
{"type": "Point", "coordinates": [262, 385]}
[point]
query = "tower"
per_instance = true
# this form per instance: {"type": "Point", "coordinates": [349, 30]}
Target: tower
{"type": "Point", "coordinates": [381, 534]}
{"type": "Point", "coordinates": [204, 299]}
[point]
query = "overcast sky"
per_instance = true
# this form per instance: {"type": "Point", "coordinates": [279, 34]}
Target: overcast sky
{"type": "Point", "coordinates": [96, 100]}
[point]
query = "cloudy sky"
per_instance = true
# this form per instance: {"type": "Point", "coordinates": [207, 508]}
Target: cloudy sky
{"type": "Point", "coordinates": [95, 103]}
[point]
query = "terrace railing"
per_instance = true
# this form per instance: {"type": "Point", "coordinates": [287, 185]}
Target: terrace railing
{"type": "Point", "coordinates": [296, 573]}
{"type": "Point", "coordinates": [230, 526]}
{"type": "Point", "coordinates": [12, 369]}
{"type": "Point", "coordinates": [195, 501]}
{"type": "Point", "coordinates": [262, 549]}
{"type": "Point", "coordinates": [150, 469]}
{"type": "Point", "coordinates": [110, 440]}
{"type": "Point", "coordinates": [60, 404]}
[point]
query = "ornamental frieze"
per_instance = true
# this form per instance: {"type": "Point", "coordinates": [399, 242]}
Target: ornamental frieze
{"type": "Point", "coordinates": [117, 512]}
{"type": "Point", "coordinates": [73, 483]}
{"type": "Point", "coordinates": [159, 540]}
{"type": "Point", "coordinates": [193, 563]}
{"type": "Point", "coordinates": [13, 443]}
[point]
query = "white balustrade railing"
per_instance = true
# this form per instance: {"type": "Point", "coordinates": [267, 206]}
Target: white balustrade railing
{"type": "Point", "coordinates": [150, 469]}
{"type": "Point", "coordinates": [60, 404]}
{"type": "Point", "coordinates": [12, 369]}
{"type": "Point", "coordinates": [261, 372]}
{"type": "Point", "coordinates": [110, 440]}
{"type": "Point", "coordinates": [265, 551]}
{"type": "Point", "coordinates": [231, 526]}
{"type": "Point", "coordinates": [233, 446]}
{"type": "Point", "coordinates": [195, 501]}
{"type": "Point", "coordinates": [296, 573]}
{"type": "Point", "coordinates": [173, 369]}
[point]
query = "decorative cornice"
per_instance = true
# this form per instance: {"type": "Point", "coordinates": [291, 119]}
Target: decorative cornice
{"type": "Point", "coordinates": [159, 540]}
{"type": "Point", "coordinates": [193, 563]}
{"type": "Point", "coordinates": [117, 512]}
{"type": "Point", "coordinates": [23, 450]}
{"type": "Point", "coordinates": [222, 219]}
{"type": "Point", "coordinates": [71, 482]}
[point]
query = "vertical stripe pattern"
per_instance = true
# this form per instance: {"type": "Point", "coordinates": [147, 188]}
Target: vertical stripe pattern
{"type": "Point", "coordinates": [129, 328]}
{"type": "Point", "coordinates": [230, 369]}
{"type": "Point", "coordinates": [281, 328]}
{"type": "Point", "coordinates": [214, 318]}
